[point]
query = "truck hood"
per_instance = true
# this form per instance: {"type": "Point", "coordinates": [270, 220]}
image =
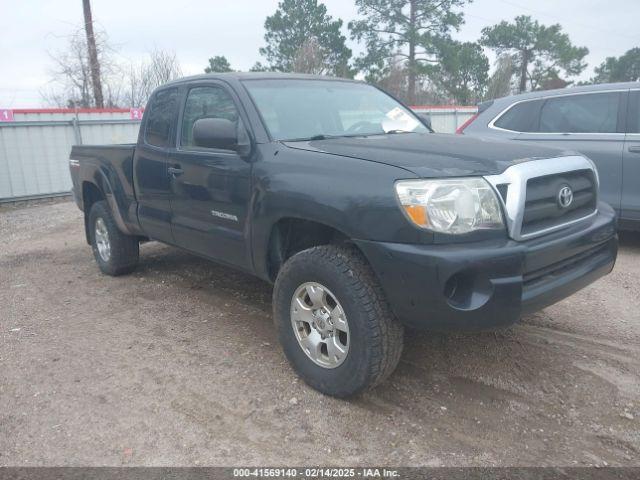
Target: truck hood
{"type": "Point", "coordinates": [433, 155]}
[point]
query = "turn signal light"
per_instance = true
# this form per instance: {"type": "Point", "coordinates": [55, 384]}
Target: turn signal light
{"type": "Point", "coordinates": [418, 214]}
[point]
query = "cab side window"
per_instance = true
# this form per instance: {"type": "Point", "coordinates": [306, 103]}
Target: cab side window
{"type": "Point", "coordinates": [587, 113]}
{"type": "Point", "coordinates": [162, 112]}
{"type": "Point", "coordinates": [207, 102]}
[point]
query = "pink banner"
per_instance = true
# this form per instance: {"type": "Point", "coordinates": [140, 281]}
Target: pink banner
{"type": "Point", "coordinates": [6, 115]}
{"type": "Point", "coordinates": [136, 113]}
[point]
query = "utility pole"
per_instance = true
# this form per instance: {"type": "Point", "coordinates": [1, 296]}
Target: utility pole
{"type": "Point", "coordinates": [94, 65]}
{"type": "Point", "coordinates": [412, 64]}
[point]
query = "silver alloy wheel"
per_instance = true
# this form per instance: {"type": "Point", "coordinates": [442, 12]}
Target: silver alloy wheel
{"type": "Point", "coordinates": [320, 325]}
{"type": "Point", "coordinates": [102, 239]}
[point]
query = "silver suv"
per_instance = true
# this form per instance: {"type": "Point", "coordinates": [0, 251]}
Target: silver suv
{"type": "Point", "coordinates": [599, 121]}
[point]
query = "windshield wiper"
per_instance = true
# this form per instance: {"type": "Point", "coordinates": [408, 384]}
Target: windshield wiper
{"type": "Point", "coordinates": [397, 130]}
{"type": "Point", "coordinates": [324, 136]}
{"type": "Point", "coordinates": [319, 136]}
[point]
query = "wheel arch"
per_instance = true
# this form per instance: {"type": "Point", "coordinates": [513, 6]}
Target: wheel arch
{"type": "Point", "coordinates": [96, 189]}
{"type": "Point", "coordinates": [290, 235]}
{"type": "Point", "coordinates": [91, 194]}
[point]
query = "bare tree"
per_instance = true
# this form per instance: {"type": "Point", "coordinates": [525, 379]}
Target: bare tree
{"type": "Point", "coordinates": [72, 72]}
{"type": "Point", "coordinates": [72, 81]}
{"type": "Point", "coordinates": [85, 70]}
{"type": "Point", "coordinates": [311, 58]}
{"type": "Point", "coordinates": [114, 95]}
{"type": "Point", "coordinates": [142, 78]}
{"type": "Point", "coordinates": [396, 77]}
{"type": "Point", "coordinates": [92, 50]}
{"type": "Point", "coordinates": [123, 85]}
{"type": "Point", "coordinates": [163, 67]}
{"type": "Point", "coordinates": [137, 86]}
{"type": "Point", "coordinates": [500, 83]}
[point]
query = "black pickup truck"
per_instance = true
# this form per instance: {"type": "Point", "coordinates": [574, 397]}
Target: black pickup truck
{"type": "Point", "coordinates": [363, 219]}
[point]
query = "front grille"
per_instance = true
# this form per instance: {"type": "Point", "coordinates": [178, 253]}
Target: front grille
{"type": "Point", "coordinates": [529, 192]}
{"type": "Point", "coordinates": [542, 209]}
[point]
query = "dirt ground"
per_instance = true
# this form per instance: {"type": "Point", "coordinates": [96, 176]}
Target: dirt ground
{"type": "Point", "coordinates": [178, 364]}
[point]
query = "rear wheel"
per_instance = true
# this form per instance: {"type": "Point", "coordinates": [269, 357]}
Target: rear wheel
{"type": "Point", "coordinates": [115, 252]}
{"type": "Point", "coordinates": [333, 321]}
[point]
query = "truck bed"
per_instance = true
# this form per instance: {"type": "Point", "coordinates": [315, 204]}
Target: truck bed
{"type": "Point", "coordinates": [106, 153]}
{"type": "Point", "coordinates": [111, 168]}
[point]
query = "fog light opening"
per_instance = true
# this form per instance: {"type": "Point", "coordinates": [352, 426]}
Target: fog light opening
{"type": "Point", "coordinates": [468, 290]}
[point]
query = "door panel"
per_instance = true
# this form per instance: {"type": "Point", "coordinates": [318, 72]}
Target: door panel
{"type": "Point", "coordinates": [210, 188]}
{"type": "Point", "coordinates": [151, 180]}
{"type": "Point", "coordinates": [153, 193]}
{"type": "Point", "coordinates": [631, 162]}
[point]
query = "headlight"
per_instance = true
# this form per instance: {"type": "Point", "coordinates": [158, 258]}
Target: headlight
{"type": "Point", "coordinates": [455, 205]}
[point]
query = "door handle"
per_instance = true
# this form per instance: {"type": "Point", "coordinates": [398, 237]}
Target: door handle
{"type": "Point", "coordinates": [175, 172]}
{"type": "Point", "coordinates": [634, 149]}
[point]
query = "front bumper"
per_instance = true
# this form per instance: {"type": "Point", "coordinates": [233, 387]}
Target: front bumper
{"type": "Point", "coordinates": [492, 283]}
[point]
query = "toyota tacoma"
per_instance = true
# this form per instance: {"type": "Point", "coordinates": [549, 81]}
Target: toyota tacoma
{"type": "Point", "coordinates": [364, 220]}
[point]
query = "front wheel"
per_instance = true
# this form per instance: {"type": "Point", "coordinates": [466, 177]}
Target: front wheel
{"type": "Point", "coordinates": [334, 324]}
{"type": "Point", "coordinates": [115, 252]}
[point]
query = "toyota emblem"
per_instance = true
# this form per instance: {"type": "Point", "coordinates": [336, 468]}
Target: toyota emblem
{"type": "Point", "coordinates": [565, 196]}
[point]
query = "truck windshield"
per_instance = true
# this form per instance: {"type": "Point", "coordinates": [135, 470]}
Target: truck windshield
{"type": "Point", "coordinates": [314, 109]}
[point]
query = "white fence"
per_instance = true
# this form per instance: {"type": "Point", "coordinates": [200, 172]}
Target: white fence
{"type": "Point", "coordinates": [447, 118]}
{"type": "Point", "coordinates": [35, 144]}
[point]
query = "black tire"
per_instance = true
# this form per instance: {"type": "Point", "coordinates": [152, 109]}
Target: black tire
{"type": "Point", "coordinates": [375, 335]}
{"type": "Point", "coordinates": [125, 249]}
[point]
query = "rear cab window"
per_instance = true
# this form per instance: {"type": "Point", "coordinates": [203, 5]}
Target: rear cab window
{"type": "Point", "coordinates": [162, 111]}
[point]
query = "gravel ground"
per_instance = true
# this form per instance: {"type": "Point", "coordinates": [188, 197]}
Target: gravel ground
{"type": "Point", "coordinates": [178, 364]}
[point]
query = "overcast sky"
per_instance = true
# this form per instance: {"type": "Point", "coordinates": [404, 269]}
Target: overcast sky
{"type": "Point", "coordinates": [198, 29]}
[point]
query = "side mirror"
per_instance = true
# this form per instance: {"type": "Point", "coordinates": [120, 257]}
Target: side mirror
{"type": "Point", "coordinates": [215, 133]}
{"type": "Point", "coordinates": [426, 120]}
